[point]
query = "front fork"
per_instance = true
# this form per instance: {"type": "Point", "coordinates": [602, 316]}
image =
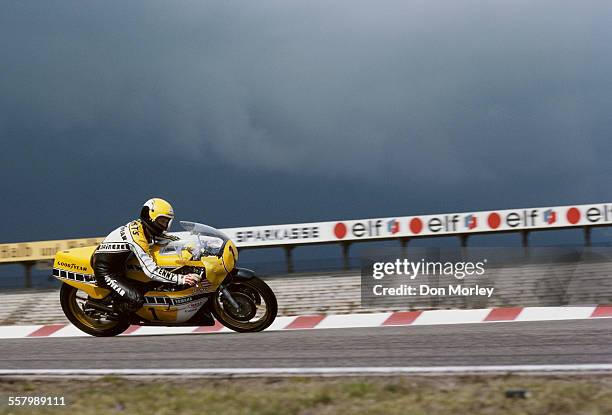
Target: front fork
{"type": "Point", "coordinates": [230, 299]}
{"type": "Point", "coordinates": [235, 273]}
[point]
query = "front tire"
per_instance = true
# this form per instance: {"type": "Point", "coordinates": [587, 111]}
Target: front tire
{"type": "Point", "coordinates": [254, 297]}
{"type": "Point", "coordinates": [84, 322]}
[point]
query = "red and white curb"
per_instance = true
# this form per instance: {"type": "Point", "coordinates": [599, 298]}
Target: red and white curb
{"type": "Point", "coordinates": [400, 318]}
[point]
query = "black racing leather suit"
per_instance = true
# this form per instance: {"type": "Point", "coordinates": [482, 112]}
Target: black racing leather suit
{"type": "Point", "coordinates": [109, 264]}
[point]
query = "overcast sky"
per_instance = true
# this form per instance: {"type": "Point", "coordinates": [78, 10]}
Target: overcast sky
{"type": "Point", "coordinates": [263, 112]}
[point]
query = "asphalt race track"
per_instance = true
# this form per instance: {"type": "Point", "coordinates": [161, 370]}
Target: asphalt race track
{"type": "Point", "coordinates": [518, 343]}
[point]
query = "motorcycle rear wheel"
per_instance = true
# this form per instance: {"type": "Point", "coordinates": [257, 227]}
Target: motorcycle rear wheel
{"type": "Point", "coordinates": [75, 314]}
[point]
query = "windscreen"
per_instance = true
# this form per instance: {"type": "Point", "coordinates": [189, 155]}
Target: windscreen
{"type": "Point", "coordinates": [202, 240]}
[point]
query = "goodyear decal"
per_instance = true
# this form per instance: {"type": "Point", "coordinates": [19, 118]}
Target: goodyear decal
{"type": "Point", "coordinates": [72, 266]}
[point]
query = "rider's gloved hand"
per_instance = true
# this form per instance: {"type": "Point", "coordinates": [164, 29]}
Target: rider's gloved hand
{"type": "Point", "coordinates": [191, 279]}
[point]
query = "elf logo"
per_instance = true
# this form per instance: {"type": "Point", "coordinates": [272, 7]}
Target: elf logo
{"type": "Point", "coordinates": [550, 216]}
{"type": "Point", "coordinates": [471, 221]}
{"type": "Point", "coordinates": [393, 226]}
{"type": "Point", "coordinates": [370, 228]}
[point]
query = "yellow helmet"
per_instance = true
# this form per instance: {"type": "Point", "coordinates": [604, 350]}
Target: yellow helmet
{"type": "Point", "coordinates": [152, 212]}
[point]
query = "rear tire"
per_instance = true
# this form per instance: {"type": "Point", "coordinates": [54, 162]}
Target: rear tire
{"type": "Point", "coordinates": [82, 321]}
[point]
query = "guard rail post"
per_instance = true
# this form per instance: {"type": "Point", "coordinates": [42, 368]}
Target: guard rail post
{"type": "Point", "coordinates": [587, 236]}
{"type": "Point", "coordinates": [525, 238]}
{"type": "Point", "coordinates": [28, 273]}
{"type": "Point", "coordinates": [345, 255]}
{"type": "Point", "coordinates": [404, 242]}
{"type": "Point", "coordinates": [289, 258]}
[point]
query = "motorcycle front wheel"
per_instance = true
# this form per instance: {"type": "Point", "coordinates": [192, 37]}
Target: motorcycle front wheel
{"type": "Point", "coordinates": [257, 306]}
{"type": "Point", "coordinates": [91, 322]}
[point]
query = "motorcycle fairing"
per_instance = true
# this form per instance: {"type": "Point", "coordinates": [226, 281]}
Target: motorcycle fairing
{"type": "Point", "coordinates": [72, 268]}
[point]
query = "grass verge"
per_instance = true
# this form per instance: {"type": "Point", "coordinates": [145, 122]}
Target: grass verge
{"type": "Point", "coordinates": [310, 396]}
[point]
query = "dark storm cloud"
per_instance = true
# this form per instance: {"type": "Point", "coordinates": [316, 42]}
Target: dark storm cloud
{"type": "Point", "coordinates": [316, 110]}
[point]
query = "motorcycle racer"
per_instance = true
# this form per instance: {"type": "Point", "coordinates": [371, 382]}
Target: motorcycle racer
{"type": "Point", "coordinates": [136, 238]}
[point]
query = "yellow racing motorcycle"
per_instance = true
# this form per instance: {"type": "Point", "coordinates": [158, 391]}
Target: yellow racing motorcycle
{"type": "Point", "coordinates": [235, 296]}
